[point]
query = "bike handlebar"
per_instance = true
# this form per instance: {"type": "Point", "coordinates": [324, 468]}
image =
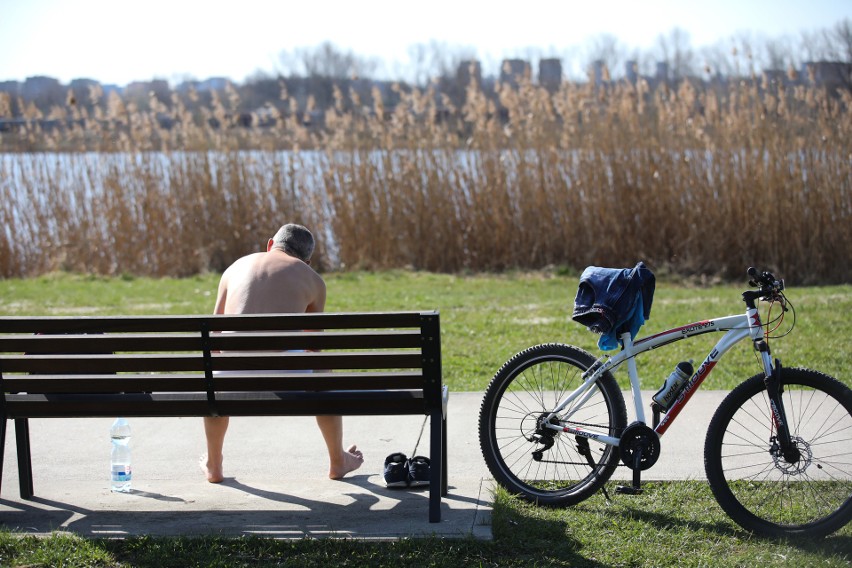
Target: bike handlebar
{"type": "Point", "coordinates": [764, 280]}
{"type": "Point", "coordinates": [769, 286]}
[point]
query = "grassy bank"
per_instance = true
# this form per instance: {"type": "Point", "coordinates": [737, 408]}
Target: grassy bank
{"type": "Point", "coordinates": [486, 318]}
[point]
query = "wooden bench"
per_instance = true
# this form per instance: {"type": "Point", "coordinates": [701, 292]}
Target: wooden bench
{"type": "Point", "coordinates": [364, 364]}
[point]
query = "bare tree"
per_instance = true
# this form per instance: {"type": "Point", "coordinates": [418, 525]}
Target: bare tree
{"type": "Point", "coordinates": [838, 41]}
{"type": "Point", "coordinates": [675, 50]}
{"type": "Point", "coordinates": [325, 61]}
{"type": "Point", "coordinates": [779, 54]}
{"type": "Point", "coordinates": [609, 51]}
{"type": "Point", "coordinates": [717, 59]}
{"type": "Point", "coordinates": [812, 46]}
{"type": "Point", "coordinates": [436, 60]}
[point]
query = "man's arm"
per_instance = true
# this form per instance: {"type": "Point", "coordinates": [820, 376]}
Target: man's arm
{"type": "Point", "coordinates": [221, 295]}
{"type": "Point", "coordinates": [318, 304]}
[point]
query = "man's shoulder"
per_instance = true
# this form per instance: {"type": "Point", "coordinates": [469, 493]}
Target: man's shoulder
{"type": "Point", "coordinates": [251, 257]}
{"type": "Point", "coordinates": [242, 263]}
{"type": "Point", "coordinates": [316, 276]}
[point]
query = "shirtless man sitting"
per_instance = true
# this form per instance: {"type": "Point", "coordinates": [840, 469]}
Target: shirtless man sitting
{"type": "Point", "coordinates": [279, 280]}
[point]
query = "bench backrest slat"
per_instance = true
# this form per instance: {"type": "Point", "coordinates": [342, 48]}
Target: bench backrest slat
{"type": "Point", "coordinates": [81, 344]}
{"type": "Point", "coordinates": [245, 322]}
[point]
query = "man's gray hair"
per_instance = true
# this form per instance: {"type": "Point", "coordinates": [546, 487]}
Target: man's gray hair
{"type": "Point", "coordinates": [295, 240]}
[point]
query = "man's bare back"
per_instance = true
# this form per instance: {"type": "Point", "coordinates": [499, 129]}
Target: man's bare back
{"type": "Point", "coordinates": [276, 282]}
{"type": "Point", "coordinates": [270, 282]}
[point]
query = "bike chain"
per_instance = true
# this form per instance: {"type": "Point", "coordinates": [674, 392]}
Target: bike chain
{"type": "Point", "coordinates": [619, 464]}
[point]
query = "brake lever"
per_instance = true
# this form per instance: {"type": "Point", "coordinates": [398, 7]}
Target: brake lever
{"type": "Point", "coordinates": [782, 299]}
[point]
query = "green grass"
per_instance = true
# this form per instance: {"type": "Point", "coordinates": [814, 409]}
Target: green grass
{"type": "Point", "coordinates": [672, 524]}
{"type": "Point", "coordinates": [485, 320]}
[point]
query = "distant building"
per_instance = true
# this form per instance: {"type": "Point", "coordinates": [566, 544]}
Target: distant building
{"type": "Point", "coordinates": [213, 84]}
{"type": "Point", "coordinates": [38, 86]}
{"type": "Point", "coordinates": [662, 74]}
{"type": "Point", "coordinates": [631, 71]}
{"type": "Point", "coordinates": [550, 73]}
{"type": "Point", "coordinates": [44, 92]}
{"type": "Point", "coordinates": [513, 71]}
{"type": "Point", "coordinates": [775, 77]}
{"type": "Point", "coordinates": [136, 89]}
{"type": "Point", "coordinates": [82, 83]}
{"type": "Point", "coordinates": [468, 71]}
{"type": "Point", "coordinates": [597, 72]}
{"type": "Point", "coordinates": [11, 87]}
{"type": "Point", "coordinates": [832, 74]}
{"type": "Point", "coordinates": [83, 90]}
{"type": "Point", "coordinates": [186, 86]}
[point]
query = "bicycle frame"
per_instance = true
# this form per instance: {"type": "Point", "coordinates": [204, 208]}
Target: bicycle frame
{"type": "Point", "coordinates": [736, 329]}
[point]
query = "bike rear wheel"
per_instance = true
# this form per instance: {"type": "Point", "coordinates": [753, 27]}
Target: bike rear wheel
{"type": "Point", "coordinates": [761, 490]}
{"type": "Point", "coordinates": [529, 386]}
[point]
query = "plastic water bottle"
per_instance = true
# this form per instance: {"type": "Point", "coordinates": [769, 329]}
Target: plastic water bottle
{"type": "Point", "coordinates": [120, 471]}
{"type": "Point", "coordinates": [668, 393]}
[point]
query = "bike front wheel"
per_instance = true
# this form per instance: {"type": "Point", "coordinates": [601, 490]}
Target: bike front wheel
{"type": "Point", "coordinates": [808, 493]}
{"type": "Point", "coordinates": [547, 466]}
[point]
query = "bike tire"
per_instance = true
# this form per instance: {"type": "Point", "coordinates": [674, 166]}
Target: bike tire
{"type": "Point", "coordinates": [527, 386]}
{"type": "Point", "coordinates": [764, 493]}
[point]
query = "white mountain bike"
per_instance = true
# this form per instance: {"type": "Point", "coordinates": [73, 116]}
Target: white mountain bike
{"type": "Point", "coordinates": [778, 452]}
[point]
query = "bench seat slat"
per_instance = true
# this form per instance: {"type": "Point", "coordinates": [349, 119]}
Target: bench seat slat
{"type": "Point", "coordinates": [353, 403]}
{"type": "Point", "coordinates": [196, 382]}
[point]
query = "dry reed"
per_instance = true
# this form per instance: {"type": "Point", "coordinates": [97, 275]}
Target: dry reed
{"type": "Point", "coordinates": [690, 178]}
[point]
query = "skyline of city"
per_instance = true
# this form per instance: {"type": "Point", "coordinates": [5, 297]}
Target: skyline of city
{"type": "Point", "coordinates": [88, 39]}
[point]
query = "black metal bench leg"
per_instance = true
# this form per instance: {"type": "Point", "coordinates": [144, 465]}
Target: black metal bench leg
{"type": "Point", "coordinates": [437, 463]}
{"type": "Point", "coordinates": [25, 464]}
{"type": "Point", "coordinates": [444, 462]}
{"type": "Point", "coordinates": [3, 424]}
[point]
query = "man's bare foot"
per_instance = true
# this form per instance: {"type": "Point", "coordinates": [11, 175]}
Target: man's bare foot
{"type": "Point", "coordinates": [350, 460]}
{"type": "Point", "coordinates": [213, 471]}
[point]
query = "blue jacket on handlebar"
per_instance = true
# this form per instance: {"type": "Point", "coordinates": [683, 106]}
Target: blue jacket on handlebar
{"type": "Point", "coordinates": [611, 301]}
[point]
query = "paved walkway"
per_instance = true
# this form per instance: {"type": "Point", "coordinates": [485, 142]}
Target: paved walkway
{"type": "Point", "coordinates": [276, 484]}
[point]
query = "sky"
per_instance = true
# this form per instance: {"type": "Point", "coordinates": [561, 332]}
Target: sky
{"type": "Point", "coordinates": [120, 41]}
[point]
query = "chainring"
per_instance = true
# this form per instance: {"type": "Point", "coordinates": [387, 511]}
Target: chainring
{"type": "Point", "coordinates": [635, 438]}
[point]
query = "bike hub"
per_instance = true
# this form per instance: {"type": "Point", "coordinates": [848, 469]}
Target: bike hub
{"type": "Point", "coordinates": [543, 435]}
{"type": "Point", "coordinates": [793, 460]}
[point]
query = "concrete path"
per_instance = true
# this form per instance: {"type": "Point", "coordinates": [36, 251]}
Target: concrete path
{"type": "Point", "coordinates": [276, 482]}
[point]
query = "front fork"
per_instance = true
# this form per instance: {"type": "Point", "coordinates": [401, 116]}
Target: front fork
{"type": "Point", "coordinates": [782, 442]}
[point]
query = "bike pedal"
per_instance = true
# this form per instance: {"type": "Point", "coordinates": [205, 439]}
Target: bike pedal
{"type": "Point", "coordinates": [628, 490]}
